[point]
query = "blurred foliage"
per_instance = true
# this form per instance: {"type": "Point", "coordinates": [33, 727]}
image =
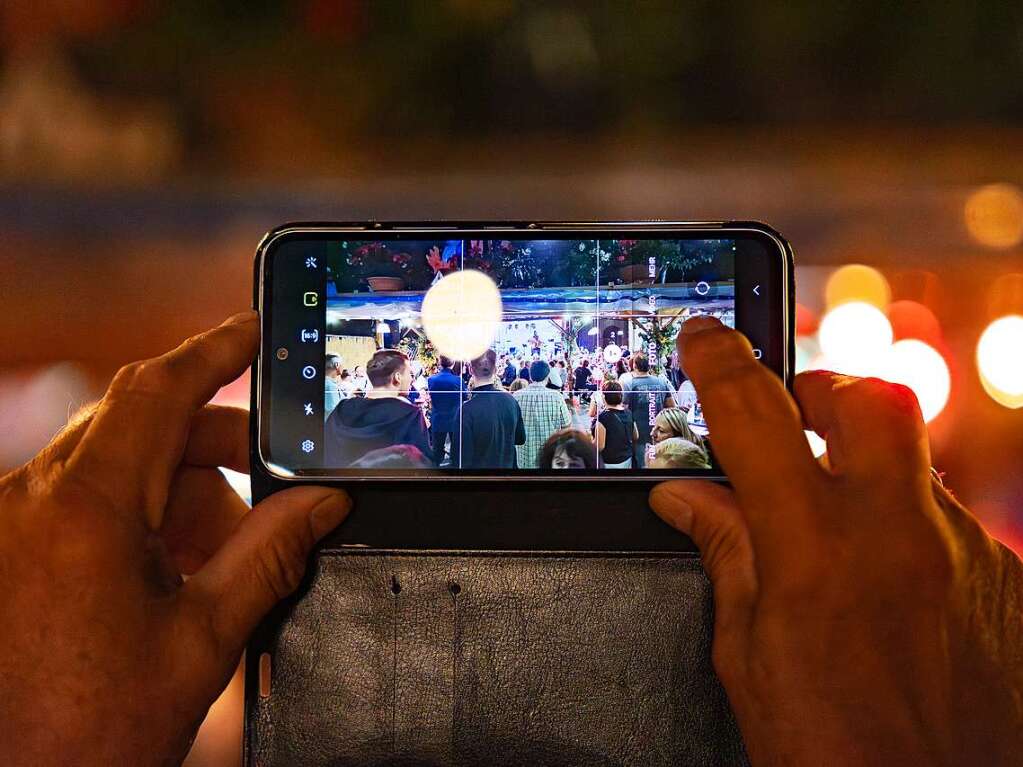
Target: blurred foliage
{"type": "Point", "coordinates": [442, 69]}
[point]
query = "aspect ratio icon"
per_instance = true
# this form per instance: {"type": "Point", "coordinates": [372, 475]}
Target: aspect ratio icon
{"type": "Point", "coordinates": [309, 336]}
{"type": "Point", "coordinates": [312, 298]}
{"type": "Point", "coordinates": [309, 372]}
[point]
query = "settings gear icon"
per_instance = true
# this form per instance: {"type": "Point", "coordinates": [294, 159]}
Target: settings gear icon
{"type": "Point", "coordinates": [308, 446]}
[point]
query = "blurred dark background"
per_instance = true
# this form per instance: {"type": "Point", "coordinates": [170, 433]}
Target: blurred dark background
{"type": "Point", "coordinates": [145, 146]}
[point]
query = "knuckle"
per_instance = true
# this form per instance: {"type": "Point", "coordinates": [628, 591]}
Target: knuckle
{"type": "Point", "coordinates": [138, 376]}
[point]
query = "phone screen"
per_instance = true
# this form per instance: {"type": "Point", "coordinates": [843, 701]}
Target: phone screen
{"type": "Point", "coordinates": [412, 354]}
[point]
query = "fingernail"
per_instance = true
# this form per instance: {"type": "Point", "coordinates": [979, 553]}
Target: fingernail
{"type": "Point", "coordinates": [699, 324]}
{"type": "Point", "coordinates": [328, 513]}
{"type": "Point", "coordinates": [237, 319]}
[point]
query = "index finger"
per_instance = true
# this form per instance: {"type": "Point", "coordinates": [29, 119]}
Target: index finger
{"type": "Point", "coordinates": [137, 436]}
{"type": "Point", "coordinates": [755, 426]}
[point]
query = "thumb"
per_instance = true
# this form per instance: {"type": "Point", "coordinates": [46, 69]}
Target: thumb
{"type": "Point", "coordinates": [264, 559]}
{"type": "Point", "coordinates": [710, 515]}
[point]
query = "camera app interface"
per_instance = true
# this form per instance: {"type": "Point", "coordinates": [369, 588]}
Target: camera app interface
{"type": "Point", "coordinates": [493, 357]}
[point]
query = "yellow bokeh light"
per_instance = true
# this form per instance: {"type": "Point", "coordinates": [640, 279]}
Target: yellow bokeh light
{"type": "Point", "coordinates": [856, 282]}
{"type": "Point", "coordinates": [854, 338]}
{"type": "Point", "coordinates": [1000, 360]}
{"type": "Point", "coordinates": [920, 367]}
{"type": "Point", "coordinates": [461, 313]}
{"type": "Point", "coordinates": [994, 215]}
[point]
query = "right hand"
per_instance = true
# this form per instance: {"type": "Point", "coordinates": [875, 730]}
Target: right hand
{"type": "Point", "coordinates": [862, 615]}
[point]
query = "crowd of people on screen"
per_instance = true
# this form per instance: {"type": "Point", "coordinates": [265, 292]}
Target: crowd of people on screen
{"type": "Point", "coordinates": [500, 413]}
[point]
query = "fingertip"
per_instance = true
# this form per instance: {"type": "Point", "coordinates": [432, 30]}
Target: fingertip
{"type": "Point", "coordinates": [700, 323]}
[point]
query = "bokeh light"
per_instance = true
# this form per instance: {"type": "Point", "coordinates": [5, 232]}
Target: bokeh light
{"type": "Point", "coordinates": [806, 320]}
{"type": "Point", "coordinates": [994, 215]}
{"type": "Point", "coordinates": [856, 282]}
{"type": "Point", "coordinates": [807, 352]}
{"type": "Point", "coordinates": [460, 314]}
{"type": "Point", "coordinates": [854, 338]}
{"type": "Point", "coordinates": [1000, 360]}
{"type": "Point", "coordinates": [911, 319]}
{"type": "Point", "coordinates": [920, 367]}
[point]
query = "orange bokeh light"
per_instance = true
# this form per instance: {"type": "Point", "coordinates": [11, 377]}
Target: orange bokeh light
{"type": "Point", "coordinates": [911, 319]}
{"type": "Point", "coordinates": [994, 215]}
{"type": "Point", "coordinates": [857, 282]}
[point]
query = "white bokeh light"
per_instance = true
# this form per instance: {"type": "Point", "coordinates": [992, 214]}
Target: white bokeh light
{"type": "Point", "coordinates": [461, 313]}
{"type": "Point", "coordinates": [855, 338]}
{"type": "Point", "coordinates": [1000, 355]}
{"type": "Point", "coordinates": [920, 367]}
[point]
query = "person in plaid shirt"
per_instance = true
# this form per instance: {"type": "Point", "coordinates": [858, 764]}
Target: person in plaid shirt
{"type": "Point", "coordinates": [543, 411]}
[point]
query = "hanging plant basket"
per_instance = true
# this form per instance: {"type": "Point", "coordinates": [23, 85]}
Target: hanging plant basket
{"type": "Point", "coordinates": [386, 284]}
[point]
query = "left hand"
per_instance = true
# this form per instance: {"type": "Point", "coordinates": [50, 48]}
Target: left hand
{"type": "Point", "coordinates": [107, 655]}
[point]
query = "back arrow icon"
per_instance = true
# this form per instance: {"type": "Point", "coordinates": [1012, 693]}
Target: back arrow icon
{"type": "Point", "coordinates": [756, 290]}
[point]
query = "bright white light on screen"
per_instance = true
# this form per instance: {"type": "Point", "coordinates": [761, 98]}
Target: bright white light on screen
{"type": "Point", "coordinates": [855, 337]}
{"type": "Point", "coordinates": [918, 366]}
{"type": "Point", "coordinates": [461, 313]}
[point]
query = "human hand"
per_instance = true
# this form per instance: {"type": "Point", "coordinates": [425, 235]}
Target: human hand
{"type": "Point", "coordinates": [106, 655]}
{"type": "Point", "coordinates": [862, 615]}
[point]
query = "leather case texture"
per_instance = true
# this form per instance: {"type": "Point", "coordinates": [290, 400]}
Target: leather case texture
{"type": "Point", "coordinates": [489, 657]}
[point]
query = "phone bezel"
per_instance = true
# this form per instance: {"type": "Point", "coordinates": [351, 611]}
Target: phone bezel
{"type": "Point", "coordinates": [713, 230]}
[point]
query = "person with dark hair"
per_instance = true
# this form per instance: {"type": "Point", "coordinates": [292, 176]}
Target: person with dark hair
{"type": "Point", "coordinates": [384, 417]}
{"type": "Point", "coordinates": [646, 395]}
{"type": "Point", "coordinates": [615, 431]}
{"type": "Point", "coordinates": [543, 411]}
{"type": "Point", "coordinates": [491, 421]}
{"type": "Point", "coordinates": [446, 396]}
{"type": "Point", "coordinates": [568, 449]}
{"type": "Point", "coordinates": [344, 383]}
{"type": "Point", "coordinates": [582, 376]}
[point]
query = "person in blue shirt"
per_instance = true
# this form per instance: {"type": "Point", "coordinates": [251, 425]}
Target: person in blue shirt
{"type": "Point", "coordinates": [510, 373]}
{"type": "Point", "coordinates": [446, 395]}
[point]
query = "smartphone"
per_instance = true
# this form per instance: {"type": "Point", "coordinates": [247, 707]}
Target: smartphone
{"type": "Point", "coordinates": [512, 351]}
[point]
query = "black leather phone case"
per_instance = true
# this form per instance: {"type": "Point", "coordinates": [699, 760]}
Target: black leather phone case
{"type": "Point", "coordinates": [495, 658]}
{"type": "Point", "coordinates": [484, 633]}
